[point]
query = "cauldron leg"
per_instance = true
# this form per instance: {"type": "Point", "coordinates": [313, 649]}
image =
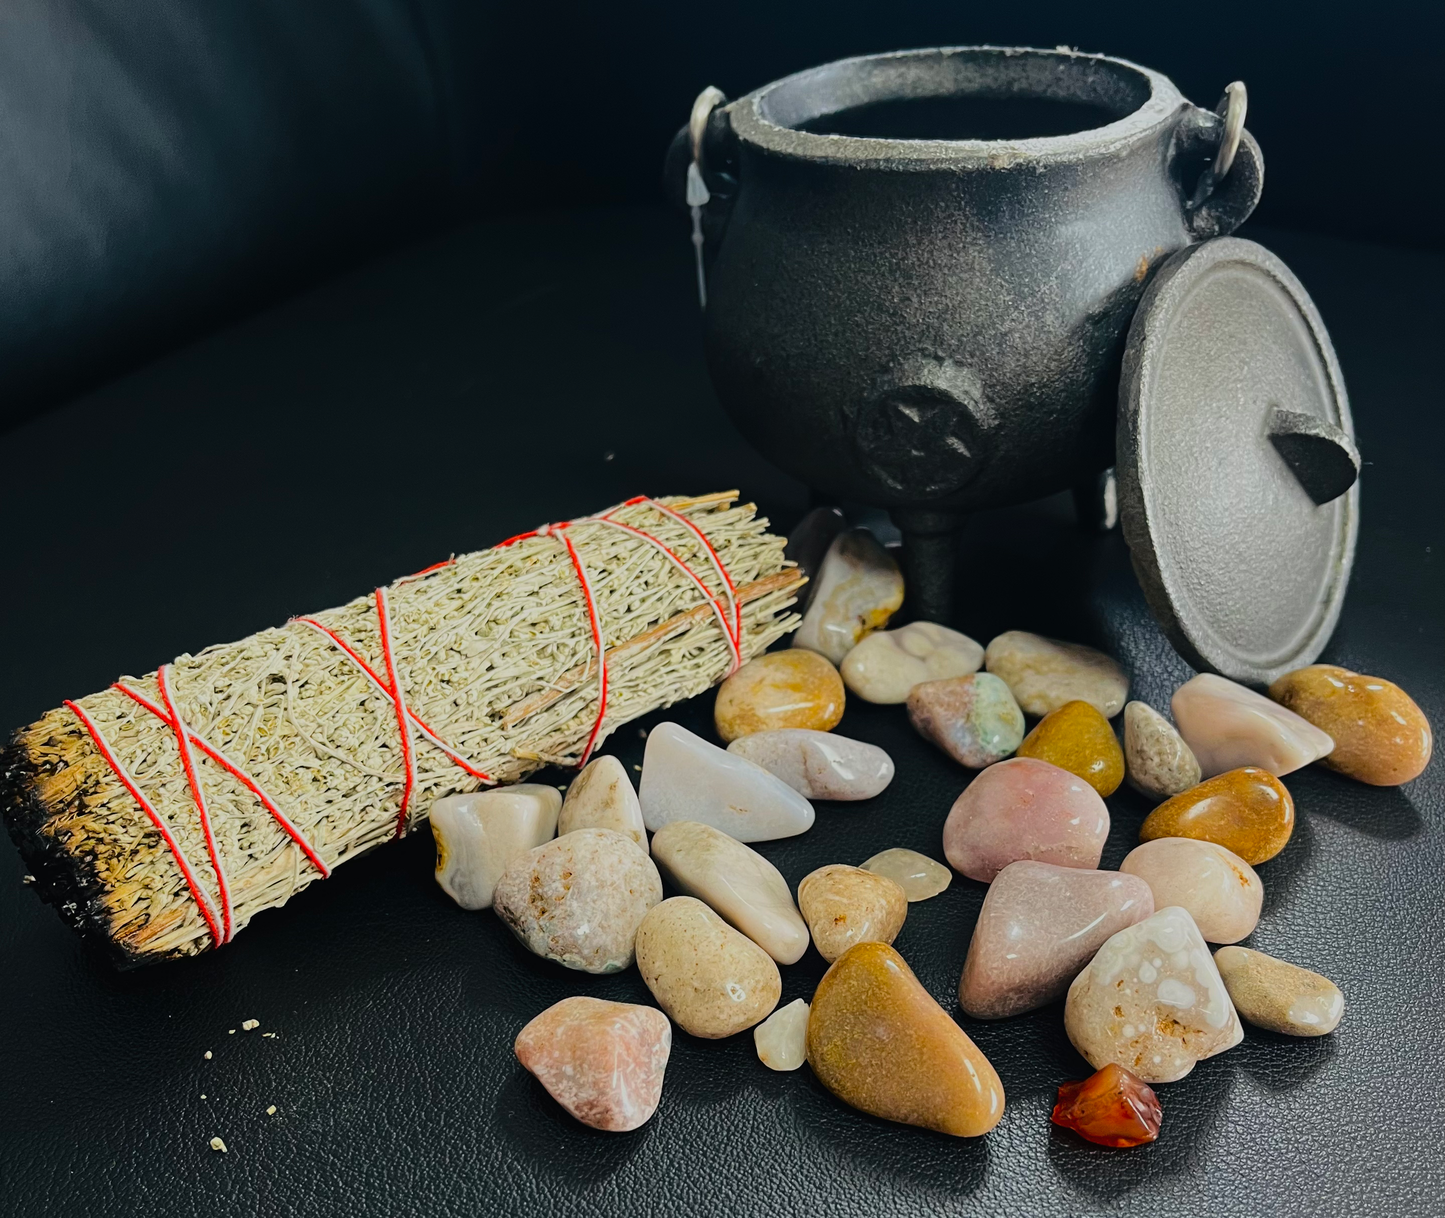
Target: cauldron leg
{"type": "Point", "coordinates": [929, 548]}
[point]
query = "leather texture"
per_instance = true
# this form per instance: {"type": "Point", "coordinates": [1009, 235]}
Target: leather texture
{"type": "Point", "coordinates": [529, 370]}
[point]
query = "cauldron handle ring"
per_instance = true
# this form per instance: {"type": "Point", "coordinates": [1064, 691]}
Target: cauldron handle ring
{"type": "Point", "coordinates": [1229, 189]}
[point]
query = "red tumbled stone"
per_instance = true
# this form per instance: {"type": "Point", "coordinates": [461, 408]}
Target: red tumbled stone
{"type": "Point", "coordinates": [1111, 1107]}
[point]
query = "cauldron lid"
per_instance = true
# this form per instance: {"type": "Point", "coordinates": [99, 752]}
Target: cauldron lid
{"type": "Point", "coordinates": [1236, 462]}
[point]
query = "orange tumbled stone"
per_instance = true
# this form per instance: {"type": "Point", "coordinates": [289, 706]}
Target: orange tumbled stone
{"type": "Point", "coordinates": [1381, 737]}
{"type": "Point", "coordinates": [1078, 738]}
{"type": "Point", "coordinates": [1111, 1108]}
{"type": "Point", "coordinates": [1246, 810]}
{"type": "Point", "coordinates": [878, 1041]}
{"type": "Point", "coordinates": [793, 688]}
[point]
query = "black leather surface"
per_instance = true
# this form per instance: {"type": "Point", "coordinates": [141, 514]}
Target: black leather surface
{"type": "Point", "coordinates": [449, 397]}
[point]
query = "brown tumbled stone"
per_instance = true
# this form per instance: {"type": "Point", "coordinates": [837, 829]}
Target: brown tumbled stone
{"type": "Point", "coordinates": [1077, 738]}
{"type": "Point", "coordinates": [1248, 811]}
{"type": "Point", "coordinates": [794, 688]}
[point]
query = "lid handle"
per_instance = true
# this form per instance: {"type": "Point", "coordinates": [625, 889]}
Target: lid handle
{"type": "Point", "coordinates": [1321, 456]}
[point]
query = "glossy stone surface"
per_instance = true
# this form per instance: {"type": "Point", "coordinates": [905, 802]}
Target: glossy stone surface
{"type": "Point", "coordinates": [1228, 726]}
{"type": "Point", "coordinates": [1110, 1108]}
{"type": "Point", "coordinates": [601, 797]}
{"type": "Point", "coordinates": [973, 719]}
{"type": "Point", "coordinates": [846, 905]}
{"type": "Point", "coordinates": [1381, 737]}
{"type": "Point", "coordinates": [888, 663]}
{"type": "Point", "coordinates": [1157, 761]}
{"type": "Point", "coordinates": [819, 765]}
{"type": "Point", "coordinates": [1152, 1001]}
{"type": "Point", "coordinates": [578, 900]}
{"type": "Point", "coordinates": [1044, 674]}
{"type": "Point", "coordinates": [878, 1041]}
{"type": "Point", "coordinates": [919, 876]}
{"type": "Point", "coordinates": [602, 1061]}
{"type": "Point", "coordinates": [1248, 811]}
{"type": "Point", "coordinates": [1222, 892]}
{"type": "Point", "coordinates": [780, 689]}
{"type": "Point", "coordinates": [782, 1038]}
{"type": "Point", "coordinates": [1039, 926]}
{"type": "Point", "coordinates": [858, 589]}
{"type": "Point", "coordinates": [738, 883]}
{"type": "Point", "coordinates": [711, 979]}
{"type": "Point", "coordinates": [1275, 994]}
{"type": "Point", "coordinates": [1077, 738]}
{"type": "Point", "coordinates": [1024, 809]}
{"type": "Point", "coordinates": [686, 778]}
{"type": "Point", "coordinates": [477, 835]}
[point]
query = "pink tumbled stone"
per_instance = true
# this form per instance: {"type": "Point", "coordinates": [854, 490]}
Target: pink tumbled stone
{"type": "Point", "coordinates": [602, 1061]}
{"type": "Point", "coordinates": [1229, 727]}
{"type": "Point", "coordinates": [1024, 809]}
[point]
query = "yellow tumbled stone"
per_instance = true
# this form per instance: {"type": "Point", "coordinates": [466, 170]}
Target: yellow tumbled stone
{"type": "Point", "coordinates": [794, 688]}
{"type": "Point", "coordinates": [1077, 738]}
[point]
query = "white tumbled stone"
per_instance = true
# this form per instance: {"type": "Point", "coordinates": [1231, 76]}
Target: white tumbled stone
{"type": "Point", "coordinates": [888, 663]}
{"type": "Point", "coordinates": [601, 797]}
{"type": "Point", "coordinates": [782, 1038]}
{"type": "Point", "coordinates": [477, 835]}
{"type": "Point", "coordinates": [1228, 727]}
{"type": "Point", "coordinates": [818, 765]}
{"type": "Point", "coordinates": [858, 590]}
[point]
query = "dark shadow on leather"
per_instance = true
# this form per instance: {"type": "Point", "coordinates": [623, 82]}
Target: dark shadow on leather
{"type": "Point", "coordinates": [1282, 1063]}
{"type": "Point", "coordinates": [553, 1143]}
{"type": "Point", "coordinates": [1381, 812]}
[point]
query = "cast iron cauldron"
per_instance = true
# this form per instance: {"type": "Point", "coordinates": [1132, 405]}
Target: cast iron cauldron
{"type": "Point", "coordinates": [922, 269]}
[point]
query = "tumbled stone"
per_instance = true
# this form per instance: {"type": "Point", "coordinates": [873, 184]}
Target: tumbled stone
{"type": "Point", "coordinates": [602, 1061]}
{"type": "Point", "coordinates": [1220, 890]}
{"type": "Point", "coordinates": [1045, 673]}
{"type": "Point", "coordinates": [601, 797]}
{"type": "Point", "coordinates": [711, 979]}
{"type": "Point", "coordinates": [579, 900]}
{"type": "Point", "coordinates": [739, 883]}
{"type": "Point", "coordinates": [1381, 737]}
{"type": "Point", "coordinates": [1039, 925]}
{"type": "Point", "coordinates": [1247, 811]}
{"type": "Point", "coordinates": [846, 905]}
{"type": "Point", "coordinates": [1024, 809]}
{"type": "Point", "coordinates": [888, 663]}
{"type": "Point", "coordinates": [919, 876]}
{"type": "Point", "coordinates": [1152, 1001]}
{"type": "Point", "coordinates": [818, 765]}
{"type": "Point", "coordinates": [1228, 726]}
{"type": "Point", "coordinates": [686, 778]}
{"type": "Point", "coordinates": [973, 719]}
{"type": "Point", "coordinates": [477, 835]}
{"type": "Point", "coordinates": [1110, 1108]}
{"type": "Point", "coordinates": [777, 690]}
{"type": "Point", "coordinates": [782, 1038]}
{"type": "Point", "coordinates": [1077, 738]}
{"type": "Point", "coordinates": [858, 589]}
{"type": "Point", "coordinates": [878, 1041]}
{"type": "Point", "coordinates": [1157, 761]}
{"type": "Point", "coordinates": [1280, 996]}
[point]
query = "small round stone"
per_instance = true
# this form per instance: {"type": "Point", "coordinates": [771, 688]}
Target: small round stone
{"type": "Point", "coordinates": [818, 765]}
{"type": "Point", "coordinates": [846, 905]}
{"type": "Point", "coordinates": [919, 876]}
{"type": "Point", "coordinates": [857, 590]}
{"type": "Point", "coordinates": [1157, 761]}
{"type": "Point", "coordinates": [1110, 1108]}
{"type": "Point", "coordinates": [1222, 892]}
{"type": "Point", "coordinates": [782, 1038]}
{"type": "Point", "coordinates": [601, 797]}
{"type": "Point", "coordinates": [1045, 673]}
{"type": "Point", "coordinates": [1077, 738]}
{"type": "Point", "coordinates": [794, 688]}
{"type": "Point", "coordinates": [973, 719]}
{"type": "Point", "coordinates": [1279, 996]}
{"type": "Point", "coordinates": [1248, 811]}
{"type": "Point", "coordinates": [887, 664]}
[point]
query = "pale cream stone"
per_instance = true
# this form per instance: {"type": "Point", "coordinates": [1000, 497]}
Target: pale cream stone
{"type": "Point", "coordinates": [1222, 892]}
{"type": "Point", "coordinates": [818, 765]}
{"type": "Point", "coordinates": [919, 876]}
{"type": "Point", "coordinates": [1275, 994]}
{"type": "Point", "coordinates": [601, 797]}
{"type": "Point", "coordinates": [1159, 763]}
{"type": "Point", "coordinates": [846, 905]}
{"type": "Point", "coordinates": [1229, 726]}
{"type": "Point", "coordinates": [782, 1038]}
{"type": "Point", "coordinates": [887, 664]}
{"type": "Point", "coordinates": [1045, 673]}
{"type": "Point", "coordinates": [477, 835]}
{"type": "Point", "coordinates": [858, 590]}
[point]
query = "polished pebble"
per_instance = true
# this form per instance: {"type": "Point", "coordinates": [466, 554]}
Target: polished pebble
{"type": "Point", "coordinates": [737, 882]}
{"type": "Point", "coordinates": [686, 778]}
{"type": "Point", "coordinates": [858, 589]}
{"type": "Point", "coordinates": [919, 876]}
{"type": "Point", "coordinates": [1110, 1108]}
{"type": "Point", "coordinates": [1381, 737]}
{"type": "Point", "coordinates": [1152, 1001]}
{"type": "Point", "coordinates": [1077, 738]}
{"type": "Point", "coordinates": [973, 719]}
{"type": "Point", "coordinates": [846, 905]}
{"type": "Point", "coordinates": [888, 663]}
{"type": "Point", "coordinates": [1024, 809]}
{"type": "Point", "coordinates": [1044, 674]}
{"type": "Point", "coordinates": [1248, 811]}
{"type": "Point", "coordinates": [579, 900]}
{"type": "Point", "coordinates": [878, 1041]}
{"type": "Point", "coordinates": [782, 1038]}
{"type": "Point", "coordinates": [1157, 761]}
{"type": "Point", "coordinates": [478, 835]}
{"type": "Point", "coordinates": [1228, 726]}
{"type": "Point", "coordinates": [712, 980]}
{"type": "Point", "coordinates": [1222, 892]}
{"type": "Point", "coordinates": [1280, 996]}
{"type": "Point", "coordinates": [601, 797]}
{"type": "Point", "coordinates": [780, 689]}
{"type": "Point", "coordinates": [819, 765]}
{"type": "Point", "coordinates": [602, 1061]}
{"type": "Point", "coordinates": [1039, 925]}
